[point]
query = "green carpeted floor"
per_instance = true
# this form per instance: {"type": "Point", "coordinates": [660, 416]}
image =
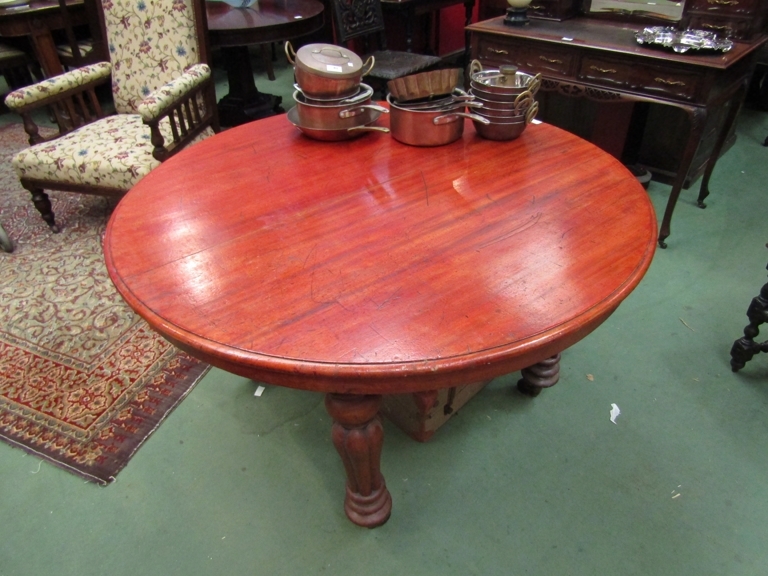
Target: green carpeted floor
{"type": "Point", "coordinates": [233, 484]}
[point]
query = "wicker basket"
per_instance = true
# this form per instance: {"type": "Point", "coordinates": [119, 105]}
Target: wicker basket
{"type": "Point", "coordinates": [424, 84]}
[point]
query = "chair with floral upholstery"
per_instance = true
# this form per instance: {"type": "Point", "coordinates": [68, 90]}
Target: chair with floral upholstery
{"type": "Point", "coordinates": [163, 98]}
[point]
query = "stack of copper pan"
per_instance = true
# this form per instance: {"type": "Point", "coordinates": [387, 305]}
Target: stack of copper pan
{"type": "Point", "coordinates": [508, 100]}
{"type": "Point", "coordinates": [331, 101]}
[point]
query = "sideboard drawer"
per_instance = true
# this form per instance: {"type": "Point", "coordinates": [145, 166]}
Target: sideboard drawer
{"type": "Point", "coordinates": [549, 61]}
{"type": "Point", "coordinates": [606, 72]}
{"type": "Point", "coordinates": [496, 52]}
{"type": "Point", "coordinates": [552, 9]}
{"type": "Point", "coordinates": [666, 83]}
{"type": "Point", "coordinates": [529, 58]}
{"type": "Point", "coordinates": [731, 27]}
{"type": "Point", "coordinates": [724, 7]}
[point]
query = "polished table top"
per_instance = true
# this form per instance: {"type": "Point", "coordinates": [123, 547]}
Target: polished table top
{"type": "Point", "coordinates": [369, 266]}
{"type": "Point", "coordinates": [366, 267]}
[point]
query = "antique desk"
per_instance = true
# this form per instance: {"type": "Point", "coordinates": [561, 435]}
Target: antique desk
{"type": "Point", "coordinates": [36, 21]}
{"type": "Point", "coordinates": [368, 267]}
{"type": "Point", "coordinates": [233, 29]}
{"type": "Point", "coordinates": [600, 59]}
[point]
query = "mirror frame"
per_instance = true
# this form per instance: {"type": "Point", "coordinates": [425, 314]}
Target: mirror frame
{"type": "Point", "coordinates": [635, 16]}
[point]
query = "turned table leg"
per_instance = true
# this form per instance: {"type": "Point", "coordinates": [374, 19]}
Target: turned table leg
{"type": "Point", "coordinates": [358, 436]}
{"type": "Point", "coordinates": [745, 347]}
{"type": "Point", "coordinates": [539, 376]}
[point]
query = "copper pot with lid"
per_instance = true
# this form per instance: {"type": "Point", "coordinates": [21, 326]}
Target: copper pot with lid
{"type": "Point", "coordinates": [502, 83]}
{"type": "Point", "coordinates": [327, 70]}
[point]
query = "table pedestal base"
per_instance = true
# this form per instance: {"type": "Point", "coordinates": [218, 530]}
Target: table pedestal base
{"type": "Point", "coordinates": [244, 103]}
{"type": "Point", "coordinates": [358, 436]}
{"type": "Point", "coordinates": [234, 111]}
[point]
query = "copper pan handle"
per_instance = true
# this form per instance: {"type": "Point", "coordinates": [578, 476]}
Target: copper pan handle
{"type": "Point", "coordinates": [290, 53]}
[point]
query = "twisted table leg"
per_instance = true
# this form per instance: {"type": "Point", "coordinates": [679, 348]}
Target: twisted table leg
{"type": "Point", "coordinates": [539, 376]}
{"type": "Point", "coordinates": [358, 436]}
{"type": "Point", "coordinates": [745, 347]}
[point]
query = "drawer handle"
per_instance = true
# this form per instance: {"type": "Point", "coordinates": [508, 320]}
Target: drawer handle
{"type": "Point", "coordinates": [497, 51]}
{"type": "Point", "coordinates": [718, 28]}
{"type": "Point", "coordinates": [669, 82]}
{"type": "Point", "coordinates": [536, 7]}
{"type": "Point", "coordinates": [724, 2]}
{"type": "Point", "coordinates": [550, 60]}
{"type": "Point", "coordinates": [603, 70]}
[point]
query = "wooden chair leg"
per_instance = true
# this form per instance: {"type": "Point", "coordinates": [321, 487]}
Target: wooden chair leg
{"type": "Point", "coordinates": [43, 204]}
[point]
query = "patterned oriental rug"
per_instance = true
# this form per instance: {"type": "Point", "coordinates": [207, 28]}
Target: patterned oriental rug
{"type": "Point", "coordinates": [83, 380]}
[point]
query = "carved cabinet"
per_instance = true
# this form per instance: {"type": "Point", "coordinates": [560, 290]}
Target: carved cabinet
{"type": "Point", "coordinates": [737, 19]}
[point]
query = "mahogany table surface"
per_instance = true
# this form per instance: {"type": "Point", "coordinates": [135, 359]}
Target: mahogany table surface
{"type": "Point", "coordinates": [368, 266]}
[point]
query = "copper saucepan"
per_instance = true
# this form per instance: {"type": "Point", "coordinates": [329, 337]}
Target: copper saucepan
{"type": "Point", "coordinates": [334, 134]}
{"type": "Point", "coordinates": [428, 127]}
{"type": "Point", "coordinates": [335, 116]}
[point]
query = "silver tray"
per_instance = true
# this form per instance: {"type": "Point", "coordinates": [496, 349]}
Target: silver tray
{"type": "Point", "coordinates": [681, 41]}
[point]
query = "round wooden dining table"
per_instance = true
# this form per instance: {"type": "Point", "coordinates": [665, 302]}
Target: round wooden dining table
{"type": "Point", "coordinates": [367, 267]}
{"type": "Point", "coordinates": [234, 26]}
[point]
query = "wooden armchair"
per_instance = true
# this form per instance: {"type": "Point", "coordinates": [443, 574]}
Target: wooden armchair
{"type": "Point", "coordinates": [363, 21]}
{"type": "Point", "coordinates": [163, 100]}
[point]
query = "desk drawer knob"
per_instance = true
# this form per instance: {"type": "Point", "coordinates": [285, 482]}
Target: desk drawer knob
{"type": "Point", "coordinates": [550, 60]}
{"type": "Point", "coordinates": [536, 7]}
{"type": "Point", "coordinates": [603, 70]}
{"type": "Point", "coordinates": [669, 82]}
{"type": "Point", "coordinates": [497, 51]}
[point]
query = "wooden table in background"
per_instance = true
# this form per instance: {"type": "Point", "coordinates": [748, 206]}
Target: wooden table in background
{"type": "Point", "coordinates": [234, 29]}
{"type": "Point", "coordinates": [36, 21]}
{"type": "Point", "coordinates": [368, 267]}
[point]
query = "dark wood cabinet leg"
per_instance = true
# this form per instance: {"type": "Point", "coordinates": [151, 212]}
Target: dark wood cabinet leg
{"type": "Point", "coordinates": [733, 112]}
{"type": "Point", "coordinates": [358, 436]}
{"type": "Point", "coordinates": [697, 118]}
{"type": "Point", "coordinates": [539, 376]}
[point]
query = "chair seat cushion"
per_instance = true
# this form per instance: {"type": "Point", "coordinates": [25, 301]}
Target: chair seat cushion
{"type": "Point", "coordinates": [390, 64]}
{"type": "Point", "coordinates": [113, 152]}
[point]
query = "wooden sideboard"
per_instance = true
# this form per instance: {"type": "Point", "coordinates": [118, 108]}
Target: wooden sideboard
{"type": "Point", "coordinates": [737, 19]}
{"type": "Point", "coordinates": [601, 60]}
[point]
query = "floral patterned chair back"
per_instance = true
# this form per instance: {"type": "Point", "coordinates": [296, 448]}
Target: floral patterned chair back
{"type": "Point", "coordinates": [150, 42]}
{"type": "Point", "coordinates": [162, 93]}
